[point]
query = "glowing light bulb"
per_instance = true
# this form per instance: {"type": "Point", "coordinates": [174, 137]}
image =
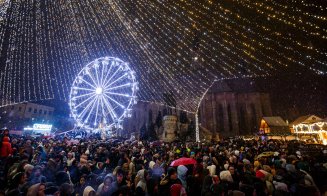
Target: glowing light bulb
{"type": "Point", "coordinates": [98, 91]}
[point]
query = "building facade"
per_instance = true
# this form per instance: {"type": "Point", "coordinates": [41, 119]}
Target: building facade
{"type": "Point", "coordinates": [151, 116]}
{"type": "Point", "coordinates": [27, 111]}
{"type": "Point", "coordinates": [233, 108]}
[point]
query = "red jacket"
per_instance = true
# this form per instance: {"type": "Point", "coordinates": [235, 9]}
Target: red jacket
{"type": "Point", "coordinates": [6, 149]}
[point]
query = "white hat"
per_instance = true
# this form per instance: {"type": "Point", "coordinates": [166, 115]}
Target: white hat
{"type": "Point", "coordinates": [226, 166]}
{"type": "Point", "coordinates": [226, 175]}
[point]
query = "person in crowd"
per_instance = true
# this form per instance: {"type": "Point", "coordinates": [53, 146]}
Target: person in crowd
{"type": "Point", "coordinates": [6, 149]}
{"type": "Point", "coordinates": [141, 182]}
{"type": "Point", "coordinates": [182, 175]}
{"type": "Point", "coordinates": [105, 187]}
{"type": "Point", "coordinates": [111, 167]}
{"type": "Point", "coordinates": [120, 183]}
{"type": "Point", "coordinates": [37, 190]}
{"type": "Point", "coordinates": [170, 179]}
{"type": "Point", "coordinates": [80, 186]}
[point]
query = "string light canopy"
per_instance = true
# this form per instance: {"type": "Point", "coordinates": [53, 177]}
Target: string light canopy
{"type": "Point", "coordinates": [177, 48]}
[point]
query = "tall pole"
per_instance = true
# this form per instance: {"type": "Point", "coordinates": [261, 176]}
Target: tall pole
{"type": "Point", "coordinates": [197, 128]}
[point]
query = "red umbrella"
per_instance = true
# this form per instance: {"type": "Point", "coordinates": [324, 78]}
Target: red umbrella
{"type": "Point", "coordinates": [183, 161]}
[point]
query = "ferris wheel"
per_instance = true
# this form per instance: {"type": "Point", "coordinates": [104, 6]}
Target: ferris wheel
{"type": "Point", "coordinates": [103, 93]}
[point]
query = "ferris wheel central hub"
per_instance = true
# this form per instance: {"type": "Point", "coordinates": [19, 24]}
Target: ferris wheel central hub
{"type": "Point", "coordinates": [98, 91]}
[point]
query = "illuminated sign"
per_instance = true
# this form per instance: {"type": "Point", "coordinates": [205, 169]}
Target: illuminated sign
{"type": "Point", "coordinates": [42, 127]}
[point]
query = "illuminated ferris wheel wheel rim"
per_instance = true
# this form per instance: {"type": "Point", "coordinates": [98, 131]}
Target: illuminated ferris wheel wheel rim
{"type": "Point", "coordinates": [103, 93]}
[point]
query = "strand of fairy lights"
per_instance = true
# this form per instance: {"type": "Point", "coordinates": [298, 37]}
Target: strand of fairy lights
{"type": "Point", "coordinates": [296, 43]}
{"type": "Point", "coordinates": [154, 44]}
{"type": "Point", "coordinates": [163, 70]}
{"type": "Point", "coordinates": [298, 62]}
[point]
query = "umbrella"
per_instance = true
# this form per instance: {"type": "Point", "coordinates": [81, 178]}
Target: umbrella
{"type": "Point", "coordinates": [183, 161]}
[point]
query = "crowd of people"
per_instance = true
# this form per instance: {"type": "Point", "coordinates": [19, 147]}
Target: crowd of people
{"type": "Point", "coordinates": [91, 166]}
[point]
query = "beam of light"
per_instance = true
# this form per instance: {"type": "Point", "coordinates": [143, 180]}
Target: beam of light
{"type": "Point", "coordinates": [120, 86]}
{"type": "Point", "coordinates": [91, 110]}
{"type": "Point", "coordinates": [84, 95]}
{"type": "Point", "coordinates": [96, 73]}
{"type": "Point", "coordinates": [87, 82]}
{"type": "Point", "coordinates": [86, 109]}
{"type": "Point", "coordinates": [119, 94]}
{"type": "Point", "coordinates": [121, 77]}
{"type": "Point", "coordinates": [91, 76]}
{"type": "Point", "coordinates": [102, 72]}
{"type": "Point", "coordinates": [108, 72]}
{"type": "Point", "coordinates": [76, 106]}
{"type": "Point", "coordinates": [110, 109]}
{"type": "Point", "coordinates": [112, 76]}
{"type": "Point", "coordinates": [80, 88]}
{"type": "Point", "coordinates": [122, 106]}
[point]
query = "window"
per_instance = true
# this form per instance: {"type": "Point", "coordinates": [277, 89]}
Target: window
{"type": "Point", "coordinates": [45, 112]}
{"type": "Point", "coordinates": [40, 111]}
{"type": "Point", "coordinates": [20, 109]}
{"type": "Point", "coordinates": [35, 111]}
{"type": "Point", "coordinates": [29, 109]}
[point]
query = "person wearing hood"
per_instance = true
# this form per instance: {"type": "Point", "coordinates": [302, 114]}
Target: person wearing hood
{"type": "Point", "coordinates": [105, 187]}
{"type": "Point", "coordinates": [181, 173]}
{"type": "Point", "coordinates": [89, 191]}
{"type": "Point", "coordinates": [141, 182]}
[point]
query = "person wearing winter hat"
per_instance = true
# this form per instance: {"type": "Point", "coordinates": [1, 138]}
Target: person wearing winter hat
{"type": "Point", "coordinates": [226, 165]}
{"type": "Point", "coordinates": [260, 174]}
{"type": "Point", "coordinates": [181, 173]}
{"type": "Point", "coordinates": [212, 169]}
